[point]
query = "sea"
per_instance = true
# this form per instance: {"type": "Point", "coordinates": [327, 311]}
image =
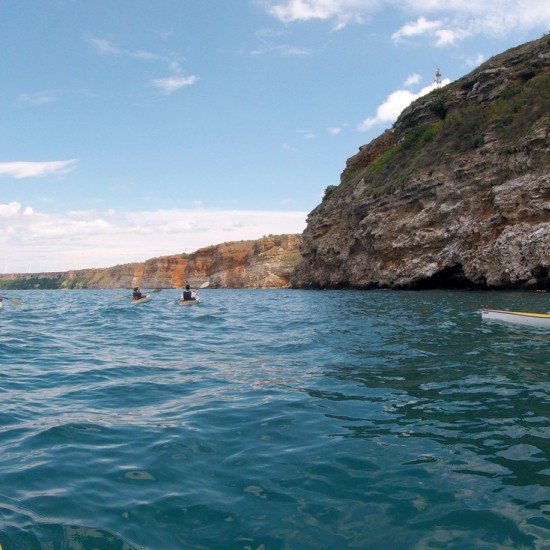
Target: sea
{"type": "Point", "coordinates": [273, 419]}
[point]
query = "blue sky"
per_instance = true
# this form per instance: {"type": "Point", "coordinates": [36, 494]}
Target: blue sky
{"type": "Point", "coordinates": [142, 128]}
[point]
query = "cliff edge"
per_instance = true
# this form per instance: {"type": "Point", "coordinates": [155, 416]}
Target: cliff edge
{"type": "Point", "coordinates": [455, 195]}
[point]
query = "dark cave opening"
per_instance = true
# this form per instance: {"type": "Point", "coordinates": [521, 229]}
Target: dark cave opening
{"type": "Point", "coordinates": [450, 278]}
{"type": "Point", "coordinates": [542, 276]}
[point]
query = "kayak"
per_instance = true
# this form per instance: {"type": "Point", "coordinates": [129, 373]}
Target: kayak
{"type": "Point", "coordinates": [146, 298]}
{"type": "Point", "coordinates": [188, 302]}
{"type": "Point", "coordinates": [541, 320]}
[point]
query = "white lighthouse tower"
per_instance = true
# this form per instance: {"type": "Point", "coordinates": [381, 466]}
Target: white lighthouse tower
{"type": "Point", "coordinates": [437, 78]}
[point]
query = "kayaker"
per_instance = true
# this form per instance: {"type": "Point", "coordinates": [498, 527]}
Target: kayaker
{"type": "Point", "coordinates": [188, 294]}
{"type": "Point", "coordinates": [137, 295]}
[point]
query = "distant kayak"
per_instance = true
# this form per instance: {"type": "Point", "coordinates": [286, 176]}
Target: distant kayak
{"type": "Point", "coordinates": [540, 320]}
{"type": "Point", "coordinates": [188, 302]}
{"type": "Point", "coordinates": [146, 298]}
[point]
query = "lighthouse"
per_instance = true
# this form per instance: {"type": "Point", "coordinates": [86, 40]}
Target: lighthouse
{"type": "Point", "coordinates": [437, 78]}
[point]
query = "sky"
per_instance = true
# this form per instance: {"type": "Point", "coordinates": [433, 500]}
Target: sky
{"type": "Point", "coordinates": [142, 128]}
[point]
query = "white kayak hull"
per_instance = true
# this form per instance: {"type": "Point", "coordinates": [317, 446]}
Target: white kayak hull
{"type": "Point", "coordinates": [188, 302]}
{"type": "Point", "coordinates": [539, 320]}
{"type": "Point", "coordinates": [144, 300]}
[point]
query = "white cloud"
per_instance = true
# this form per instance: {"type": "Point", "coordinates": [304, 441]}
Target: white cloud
{"type": "Point", "coordinates": [419, 27]}
{"type": "Point", "coordinates": [493, 18]}
{"type": "Point", "coordinates": [459, 19]}
{"type": "Point", "coordinates": [172, 83]}
{"type": "Point", "coordinates": [103, 46]}
{"type": "Point", "coordinates": [475, 61]}
{"type": "Point", "coordinates": [10, 209]}
{"type": "Point", "coordinates": [38, 98]}
{"type": "Point", "coordinates": [58, 242]}
{"type": "Point", "coordinates": [168, 84]}
{"type": "Point", "coordinates": [445, 37]}
{"type": "Point", "coordinates": [281, 49]}
{"type": "Point", "coordinates": [342, 12]}
{"type": "Point", "coordinates": [388, 111]}
{"type": "Point", "coordinates": [456, 19]}
{"type": "Point", "coordinates": [422, 26]}
{"type": "Point", "coordinates": [307, 134]}
{"type": "Point", "coordinates": [413, 79]}
{"type": "Point", "coordinates": [44, 97]}
{"type": "Point", "coordinates": [268, 45]}
{"type": "Point", "coordinates": [334, 131]}
{"type": "Point", "coordinates": [20, 170]}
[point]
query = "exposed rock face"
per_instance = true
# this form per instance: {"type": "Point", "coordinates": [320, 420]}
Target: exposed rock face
{"type": "Point", "coordinates": [456, 195]}
{"type": "Point", "coordinates": [163, 272]}
{"type": "Point", "coordinates": [264, 263]}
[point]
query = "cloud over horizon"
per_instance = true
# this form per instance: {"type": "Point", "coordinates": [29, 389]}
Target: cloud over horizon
{"type": "Point", "coordinates": [85, 239]}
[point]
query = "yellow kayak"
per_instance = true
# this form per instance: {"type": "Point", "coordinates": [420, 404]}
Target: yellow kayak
{"type": "Point", "coordinates": [541, 320]}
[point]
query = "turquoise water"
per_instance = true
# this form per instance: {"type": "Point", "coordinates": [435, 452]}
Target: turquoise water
{"type": "Point", "coordinates": [273, 420]}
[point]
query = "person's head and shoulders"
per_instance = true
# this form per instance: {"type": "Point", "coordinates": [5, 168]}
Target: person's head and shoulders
{"type": "Point", "coordinates": [136, 295]}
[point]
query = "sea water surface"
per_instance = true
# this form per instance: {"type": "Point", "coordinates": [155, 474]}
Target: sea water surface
{"type": "Point", "coordinates": [273, 419]}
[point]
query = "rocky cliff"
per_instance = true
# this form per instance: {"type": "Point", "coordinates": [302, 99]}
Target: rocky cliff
{"type": "Point", "coordinates": [264, 263]}
{"type": "Point", "coordinates": [455, 195]}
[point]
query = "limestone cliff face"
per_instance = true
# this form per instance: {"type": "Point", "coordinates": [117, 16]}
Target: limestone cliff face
{"type": "Point", "coordinates": [264, 263]}
{"type": "Point", "coordinates": [456, 195]}
{"type": "Point", "coordinates": [163, 272]}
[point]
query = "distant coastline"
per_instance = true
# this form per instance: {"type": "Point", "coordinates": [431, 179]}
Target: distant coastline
{"type": "Point", "coordinates": [264, 263]}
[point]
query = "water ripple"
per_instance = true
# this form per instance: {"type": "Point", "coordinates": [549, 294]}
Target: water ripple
{"type": "Point", "coordinates": [273, 419]}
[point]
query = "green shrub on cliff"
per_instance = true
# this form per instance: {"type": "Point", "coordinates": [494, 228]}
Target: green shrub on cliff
{"type": "Point", "coordinates": [394, 166]}
{"type": "Point", "coordinates": [330, 190]}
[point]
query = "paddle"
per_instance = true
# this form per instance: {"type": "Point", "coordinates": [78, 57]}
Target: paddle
{"type": "Point", "coordinates": [15, 301]}
{"type": "Point", "coordinates": [156, 290]}
{"type": "Point", "coordinates": [118, 298]}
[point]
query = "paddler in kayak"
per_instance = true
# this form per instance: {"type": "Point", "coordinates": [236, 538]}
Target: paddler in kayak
{"type": "Point", "coordinates": [137, 295]}
{"type": "Point", "coordinates": [188, 294]}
